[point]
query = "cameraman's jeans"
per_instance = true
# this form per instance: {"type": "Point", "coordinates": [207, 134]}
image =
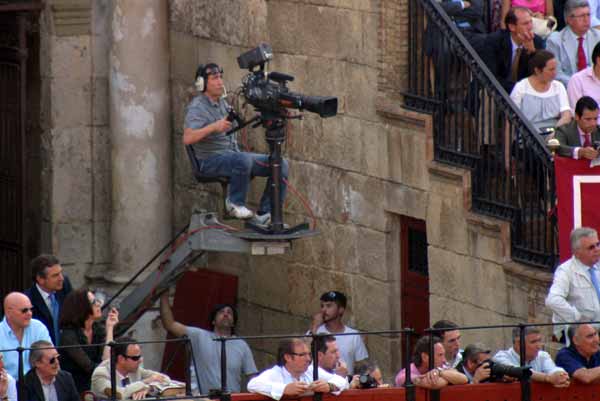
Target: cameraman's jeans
{"type": "Point", "coordinates": [240, 167]}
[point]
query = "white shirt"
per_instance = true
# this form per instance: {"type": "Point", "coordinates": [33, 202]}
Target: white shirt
{"type": "Point", "coordinates": [45, 296]}
{"type": "Point", "coordinates": [49, 389]}
{"type": "Point", "coordinates": [272, 381]}
{"type": "Point", "coordinates": [572, 296]}
{"type": "Point", "coordinates": [352, 348]}
{"type": "Point", "coordinates": [542, 363]}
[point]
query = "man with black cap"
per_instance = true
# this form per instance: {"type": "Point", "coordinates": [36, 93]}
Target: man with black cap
{"type": "Point", "coordinates": [207, 353]}
{"type": "Point", "coordinates": [218, 154]}
{"type": "Point", "coordinates": [329, 321]}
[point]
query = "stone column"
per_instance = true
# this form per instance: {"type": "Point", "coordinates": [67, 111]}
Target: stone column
{"type": "Point", "coordinates": [140, 134]}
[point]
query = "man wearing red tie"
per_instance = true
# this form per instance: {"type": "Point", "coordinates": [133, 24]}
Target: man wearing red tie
{"type": "Point", "coordinates": [577, 138]}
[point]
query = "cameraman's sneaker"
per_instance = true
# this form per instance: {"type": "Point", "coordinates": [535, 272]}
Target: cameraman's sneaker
{"type": "Point", "coordinates": [239, 212]}
{"type": "Point", "coordinates": [261, 219]}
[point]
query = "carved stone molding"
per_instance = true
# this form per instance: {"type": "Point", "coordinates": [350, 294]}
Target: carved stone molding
{"type": "Point", "coordinates": [72, 17]}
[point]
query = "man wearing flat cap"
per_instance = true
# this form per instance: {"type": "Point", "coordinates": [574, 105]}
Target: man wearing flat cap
{"type": "Point", "coordinates": [329, 321]}
{"type": "Point", "coordinates": [207, 353]}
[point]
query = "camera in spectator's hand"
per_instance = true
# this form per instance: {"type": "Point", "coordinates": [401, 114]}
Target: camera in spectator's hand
{"type": "Point", "coordinates": [367, 381]}
{"type": "Point", "coordinates": [498, 371]}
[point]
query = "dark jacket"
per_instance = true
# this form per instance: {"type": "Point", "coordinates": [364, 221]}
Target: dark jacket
{"type": "Point", "coordinates": [65, 387]}
{"type": "Point", "coordinates": [568, 136]}
{"type": "Point", "coordinates": [40, 309]}
{"type": "Point", "coordinates": [497, 55]}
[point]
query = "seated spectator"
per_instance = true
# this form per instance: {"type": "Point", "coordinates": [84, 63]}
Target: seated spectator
{"type": "Point", "coordinates": [133, 381]}
{"type": "Point", "coordinates": [540, 97]}
{"type": "Point", "coordinates": [46, 381]}
{"type": "Point", "coordinates": [586, 82]}
{"type": "Point", "coordinates": [49, 289]}
{"type": "Point", "coordinates": [450, 341]}
{"type": "Point", "coordinates": [420, 374]}
{"type": "Point", "coordinates": [542, 366]}
{"type": "Point", "coordinates": [507, 52]}
{"type": "Point", "coordinates": [473, 363]}
{"type": "Point", "coordinates": [328, 355]}
{"type": "Point", "coordinates": [19, 329]}
{"type": "Point", "coordinates": [293, 374]}
{"type": "Point", "coordinates": [578, 137]}
{"type": "Point", "coordinates": [572, 296]}
{"type": "Point", "coordinates": [581, 359]}
{"type": "Point", "coordinates": [367, 375]}
{"type": "Point", "coordinates": [573, 45]}
{"type": "Point", "coordinates": [8, 385]}
{"type": "Point", "coordinates": [80, 325]}
{"type": "Point", "coordinates": [539, 8]}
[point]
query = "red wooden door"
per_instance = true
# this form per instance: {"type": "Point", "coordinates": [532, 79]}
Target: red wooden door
{"type": "Point", "coordinates": [414, 277]}
{"type": "Point", "coordinates": [195, 295]}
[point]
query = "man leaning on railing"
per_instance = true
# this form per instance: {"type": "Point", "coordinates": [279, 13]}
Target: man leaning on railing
{"type": "Point", "coordinates": [293, 374]}
{"type": "Point", "coordinates": [581, 359]}
{"type": "Point", "coordinates": [543, 368]}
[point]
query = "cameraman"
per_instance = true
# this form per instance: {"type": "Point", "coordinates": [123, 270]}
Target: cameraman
{"type": "Point", "coordinates": [218, 154]}
{"type": "Point", "coordinates": [542, 366]}
{"type": "Point", "coordinates": [367, 375]}
{"type": "Point", "coordinates": [473, 363]}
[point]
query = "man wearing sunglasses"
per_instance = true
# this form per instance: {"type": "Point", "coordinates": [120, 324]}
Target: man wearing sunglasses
{"type": "Point", "coordinates": [133, 381]}
{"type": "Point", "coordinates": [46, 381]}
{"type": "Point", "coordinates": [293, 374]}
{"type": "Point", "coordinates": [575, 292]}
{"type": "Point", "coordinates": [19, 329]}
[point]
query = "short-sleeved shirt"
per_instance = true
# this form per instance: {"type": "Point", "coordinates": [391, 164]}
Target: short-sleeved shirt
{"type": "Point", "coordinates": [543, 109]}
{"type": "Point", "coordinates": [570, 360]}
{"type": "Point", "coordinates": [36, 331]}
{"type": "Point", "coordinates": [352, 348]}
{"type": "Point", "coordinates": [201, 112]}
{"type": "Point", "coordinates": [207, 354]}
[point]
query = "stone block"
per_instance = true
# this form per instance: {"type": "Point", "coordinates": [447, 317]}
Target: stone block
{"type": "Point", "coordinates": [372, 254]}
{"type": "Point", "coordinates": [268, 283]}
{"type": "Point", "coordinates": [489, 242]}
{"type": "Point", "coordinates": [360, 96]}
{"type": "Point", "coordinates": [317, 251]}
{"type": "Point", "coordinates": [182, 47]}
{"type": "Point", "coordinates": [71, 59]}
{"type": "Point", "coordinates": [362, 198]}
{"type": "Point", "coordinates": [395, 149]}
{"type": "Point", "coordinates": [446, 225]}
{"type": "Point", "coordinates": [71, 175]}
{"type": "Point", "coordinates": [76, 273]}
{"type": "Point", "coordinates": [414, 160]}
{"type": "Point", "coordinates": [101, 242]}
{"type": "Point", "coordinates": [346, 253]}
{"type": "Point", "coordinates": [370, 303]}
{"type": "Point", "coordinates": [404, 200]}
{"type": "Point", "coordinates": [101, 35]}
{"type": "Point", "coordinates": [283, 26]}
{"type": "Point", "coordinates": [257, 28]}
{"type": "Point", "coordinates": [100, 102]}
{"type": "Point", "coordinates": [301, 284]}
{"type": "Point", "coordinates": [275, 322]}
{"type": "Point", "coordinates": [72, 243]}
{"type": "Point", "coordinates": [375, 154]}
{"type": "Point", "coordinates": [71, 102]}
{"type": "Point", "coordinates": [250, 319]}
{"type": "Point", "coordinates": [317, 34]}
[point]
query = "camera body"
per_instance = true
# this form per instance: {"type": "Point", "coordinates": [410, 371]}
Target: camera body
{"type": "Point", "coordinates": [367, 381]}
{"type": "Point", "coordinates": [498, 371]}
{"type": "Point", "coordinates": [269, 94]}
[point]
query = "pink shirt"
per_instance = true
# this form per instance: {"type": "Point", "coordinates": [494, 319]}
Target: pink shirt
{"type": "Point", "coordinates": [536, 6]}
{"type": "Point", "coordinates": [401, 376]}
{"type": "Point", "coordinates": [583, 83]}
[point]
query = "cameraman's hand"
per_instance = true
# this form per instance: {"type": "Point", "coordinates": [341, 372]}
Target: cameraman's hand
{"type": "Point", "coordinates": [355, 383]}
{"type": "Point", "coordinates": [559, 379]}
{"type": "Point", "coordinates": [482, 373]}
{"type": "Point", "coordinates": [222, 125]}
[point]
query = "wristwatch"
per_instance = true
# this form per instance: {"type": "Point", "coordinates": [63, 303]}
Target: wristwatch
{"type": "Point", "coordinates": [332, 388]}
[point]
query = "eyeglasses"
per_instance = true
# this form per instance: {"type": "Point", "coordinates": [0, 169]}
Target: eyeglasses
{"type": "Point", "coordinates": [593, 246]}
{"type": "Point", "coordinates": [133, 357]}
{"type": "Point", "coordinates": [25, 310]}
{"type": "Point", "coordinates": [588, 15]}
{"type": "Point", "coordinates": [300, 354]}
{"type": "Point", "coordinates": [53, 360]}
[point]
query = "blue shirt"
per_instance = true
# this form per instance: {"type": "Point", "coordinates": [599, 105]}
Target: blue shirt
{"type": "Point", "coordinates": [36, 331]}
{"type": "Point", "coordinates": [571, 360]}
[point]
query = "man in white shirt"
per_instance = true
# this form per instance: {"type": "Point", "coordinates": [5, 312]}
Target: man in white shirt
{"type": "Point", "coordinates": [329, 321]}
{"type": "Point", "coordinates": [450, 336]}
{"type": "Point", "coordinates": [574, 294]}
{"type": "Point", "coordinates": [543, 368]}
{"type": "Point", "coordinates": [293, 374]}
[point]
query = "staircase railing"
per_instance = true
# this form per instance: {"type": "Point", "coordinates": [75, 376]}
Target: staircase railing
{"type": "Point", "coordinates": [477, 126]}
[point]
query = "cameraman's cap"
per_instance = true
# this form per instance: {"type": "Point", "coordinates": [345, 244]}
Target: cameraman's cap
{"type": "Point", "coordinates": [473, 349]}
{"type": "Point", "coordinates": [334, 296]}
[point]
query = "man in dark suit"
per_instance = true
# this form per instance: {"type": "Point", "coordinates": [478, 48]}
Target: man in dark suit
{"type": "Point", "coordinates": [45, 381]}
{"type": "Point", "coordinates": [578, 137]}
{"type": "Point", "coordinates": [49, 289]}
{"type": "Point", "coordinates": [507, 52]}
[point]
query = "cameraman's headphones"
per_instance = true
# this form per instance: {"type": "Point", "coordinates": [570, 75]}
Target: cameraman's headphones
{"type": "Point", "coordinates": [202, 73]}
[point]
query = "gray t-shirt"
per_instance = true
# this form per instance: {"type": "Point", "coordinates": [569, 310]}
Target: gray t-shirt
{"type": "Point", "coordinates": [208, 361]}
{"type": "Point", "coordinates": [199, 113]}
